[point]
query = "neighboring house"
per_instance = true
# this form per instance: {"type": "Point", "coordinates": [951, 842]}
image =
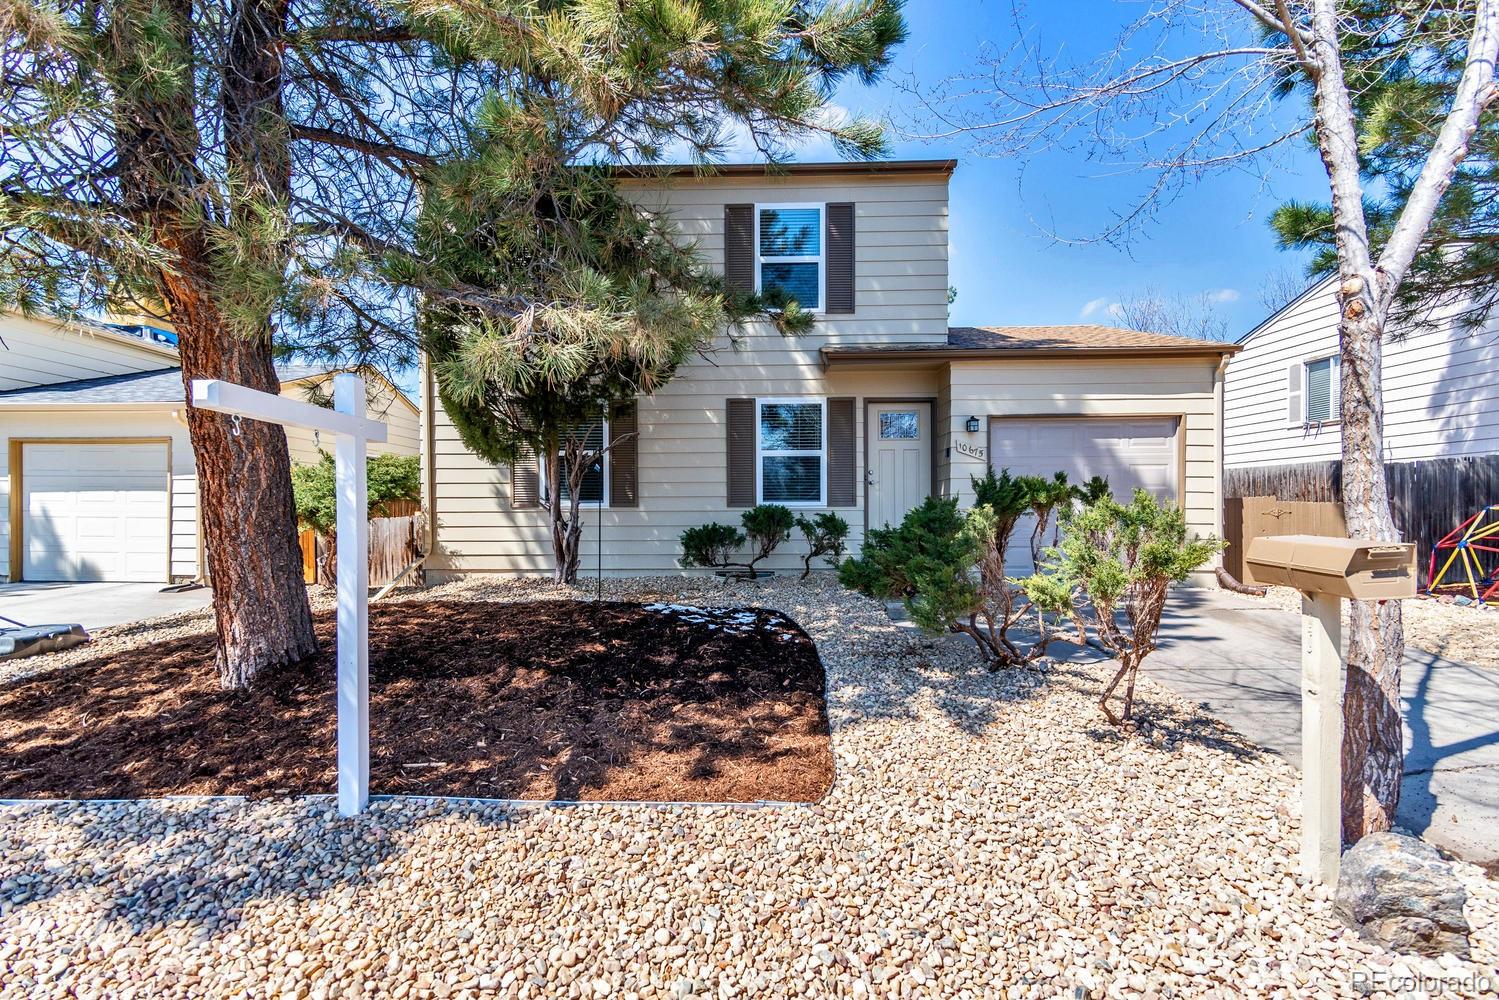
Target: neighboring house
{"type": "Point", "coordinates": [96, 470]}
{"type": "Point", "coordinates": [879, 406]}
{"type": "Point", "coordinates": [1281, 397]}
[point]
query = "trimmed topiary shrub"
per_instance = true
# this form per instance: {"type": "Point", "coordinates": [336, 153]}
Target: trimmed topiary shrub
{"type": "Point", "coordinates": [826, 535]}
{"type": "Point", "coordinates": [712, 545]}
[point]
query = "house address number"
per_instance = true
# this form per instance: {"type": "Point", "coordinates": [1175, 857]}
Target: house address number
{"type": "Point", "coordinates": [977, 452]}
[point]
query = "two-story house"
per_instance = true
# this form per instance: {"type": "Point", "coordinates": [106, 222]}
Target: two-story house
{"type": "Point", "coordinates": [97, 479]}
{"type": "Point", "coordinates": [881, 405]}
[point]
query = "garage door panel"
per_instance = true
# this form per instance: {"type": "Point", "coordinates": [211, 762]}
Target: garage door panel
{"type": "Point", "coordinates": [96, 512]}
{"type": "Point", "coordinates": [1129, 453]}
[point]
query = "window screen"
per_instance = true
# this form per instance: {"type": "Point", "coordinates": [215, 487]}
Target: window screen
{"type": "Point", "coordinates": [790, 254]}
{"type": "Point", "coordinates": [592, 488]}
{"type": "Point", "coordinates": [1322, 390]}
{"type": "Point", "coordinates": [791, 452]}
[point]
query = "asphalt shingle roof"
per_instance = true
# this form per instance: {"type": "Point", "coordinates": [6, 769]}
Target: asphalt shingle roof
{"type": "Point", "coordinates": [161, 386]}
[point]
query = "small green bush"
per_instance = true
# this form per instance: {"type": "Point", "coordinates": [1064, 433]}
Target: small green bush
{"type": "Point", "coordinates": [387, 478]}
{"type": "Point", "coordinates": [1124, 558]}
{"type": "Point", "coordinates": [826, 535]}
{"type": "Point", "coordinates": [710, 545]}
{"type": "Point", "coordinates": [883, 568]}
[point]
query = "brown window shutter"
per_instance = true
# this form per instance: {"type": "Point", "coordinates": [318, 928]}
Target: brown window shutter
{"type": "Point", "coordinates": [840, 249]}
{"type": "Point", "coordinates": [525, 481]}
{"type": "Point", "coordinates": [842, 452]}
{"type": "Point", "coordinates": [624, 458]}
{"type": "Point", "coordinates": [739, 247]}
{"type": "Point", "coordinates": [741, 451]}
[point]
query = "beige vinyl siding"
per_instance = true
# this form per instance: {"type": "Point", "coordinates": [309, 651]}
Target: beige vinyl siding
{"type": "Point", "coordinates": [900, 294]}
{"type": "Point", "coordinates": [1103, 388]}
{"type": "Point", "coordinates": [385, 403]}
{"type": "Point", "coordinates": [42, 352]}
{"type": "Point", "coordinates": [184, 520]}
{"type": "Point", "coordinates": [900, 243]}
{"type": "Point", "coordinates": [682, 470]}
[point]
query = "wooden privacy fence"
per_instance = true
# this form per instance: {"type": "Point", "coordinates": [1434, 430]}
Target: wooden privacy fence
{"type": "Point", "coordinates": [394, 543]}
{"type": "Point", "coordinates": [1254, 517]}
{"type": "Point", "coordinates": [1427, 499]}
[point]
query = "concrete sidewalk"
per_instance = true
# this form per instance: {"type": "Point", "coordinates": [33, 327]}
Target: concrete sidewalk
{"type": "Point", "coordinates": [1241, 660]}
{"type": "Point", "coordinates": [94, 605]}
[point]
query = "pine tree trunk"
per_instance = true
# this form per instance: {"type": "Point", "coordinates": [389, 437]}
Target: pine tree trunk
{"type": "Point", "coordinates": [1373, 750]}
{"type": "Point", "coordinates": [244, 480]}
{"type": "Point", "coordinates": [248, 517]}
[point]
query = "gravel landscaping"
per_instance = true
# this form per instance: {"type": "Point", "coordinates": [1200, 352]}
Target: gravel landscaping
{"type": "Point", "coordinates": [1466, 633]}
{"type": "Point", "coordinates": [985, 835]}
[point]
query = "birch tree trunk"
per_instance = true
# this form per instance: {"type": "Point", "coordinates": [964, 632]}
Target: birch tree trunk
{"type": "Point", "coordinates": [1373, 747]}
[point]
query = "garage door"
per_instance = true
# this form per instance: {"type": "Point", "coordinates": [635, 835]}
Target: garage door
{"type": "Point", "coordinates": [1128, 453]}
{"type": "Point", "coordinates": [95, 511]}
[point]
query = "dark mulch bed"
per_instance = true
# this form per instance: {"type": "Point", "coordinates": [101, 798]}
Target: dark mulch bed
{"type": "Point", "coordinates": [535, 700]}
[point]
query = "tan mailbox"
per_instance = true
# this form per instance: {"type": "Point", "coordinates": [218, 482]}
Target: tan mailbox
{"type": "Point", "coordinates": [1342, 567]}
{"type": "Point", "coordinates": [1326, 570]}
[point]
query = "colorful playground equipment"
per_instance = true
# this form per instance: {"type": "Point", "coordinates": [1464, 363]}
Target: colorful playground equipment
{"type": "Point", "coordinates": [1465, 569]}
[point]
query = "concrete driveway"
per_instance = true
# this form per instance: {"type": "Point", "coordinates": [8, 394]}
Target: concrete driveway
{"type": "Point", "coordinates": [94, 605]}
{"type": "Point", "coordinates": [1241, 660]}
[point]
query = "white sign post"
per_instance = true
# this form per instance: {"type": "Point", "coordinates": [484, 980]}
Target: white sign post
{"type": "Point", "coordinates": [353, 432]}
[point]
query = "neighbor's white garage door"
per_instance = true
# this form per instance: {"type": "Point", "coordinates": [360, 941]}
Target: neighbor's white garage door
{"type": "Point", "coordinates": [1128, 453]}
{"type": "Point", "coordinates": [95, 511]}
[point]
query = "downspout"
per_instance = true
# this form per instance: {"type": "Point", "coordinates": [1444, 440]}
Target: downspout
{"type": "Point", "coordinates": [429, 454]}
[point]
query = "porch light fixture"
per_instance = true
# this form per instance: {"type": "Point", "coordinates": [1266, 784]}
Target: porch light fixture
{"type": "Point", "coordinates": [973, 425]}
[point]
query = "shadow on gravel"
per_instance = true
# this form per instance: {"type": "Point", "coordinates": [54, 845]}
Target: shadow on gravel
{"type": "Point", "coordinates": [201, 864]}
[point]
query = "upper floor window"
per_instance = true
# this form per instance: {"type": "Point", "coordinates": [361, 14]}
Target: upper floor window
{"type": "Point", "coordinates": [1322, 390]}
{"type": "Point", "coordinates": [790, 260]}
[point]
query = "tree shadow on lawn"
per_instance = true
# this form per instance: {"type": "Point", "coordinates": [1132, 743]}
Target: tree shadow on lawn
{"type": "Point", "coordinates": [534, 700]}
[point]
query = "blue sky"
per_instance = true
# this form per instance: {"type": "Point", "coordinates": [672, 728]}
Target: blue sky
{"type": "Point", "coordinates": [1008, 269]}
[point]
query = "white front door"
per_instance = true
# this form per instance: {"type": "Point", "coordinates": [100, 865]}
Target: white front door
{"type": "Point", "coordinates": [95, 511]}
{"type": "Point", "coordinates": [899, 475]}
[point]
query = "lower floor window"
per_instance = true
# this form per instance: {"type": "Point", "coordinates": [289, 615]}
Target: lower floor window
{"type": "Point", "coordinates": [792, 451]}
{"type": "Point", "coordinates": [595, 483]}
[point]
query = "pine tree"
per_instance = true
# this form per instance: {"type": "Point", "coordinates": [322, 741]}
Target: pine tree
{"type": "Point", "coordinates": [253, 171]}
{"type": "Point", "coordinates": [554, 300]}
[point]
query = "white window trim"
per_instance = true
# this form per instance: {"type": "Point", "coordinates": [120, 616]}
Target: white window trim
{"type": "Point", "coordinates": [1334, 390]}
{"type": "Point", "coordinates": [821, 259]}
{"type": "Point", "coordinates": [762, 453]}
{"type": "Point", "coordinates": [600, 504]}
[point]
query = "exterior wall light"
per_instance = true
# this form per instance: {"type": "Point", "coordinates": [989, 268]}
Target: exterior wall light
{"type": "Point", "coordinates": [973, 425]}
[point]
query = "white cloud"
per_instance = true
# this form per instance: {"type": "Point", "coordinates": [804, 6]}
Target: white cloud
{"type": "Point", "coordinates": [1093, 307]}
{"type": "Point", "coordinates": [1222, 296]}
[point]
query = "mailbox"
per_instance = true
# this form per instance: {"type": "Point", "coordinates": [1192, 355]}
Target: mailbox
{"type": "Point", "coordinates": [1342, 567]}
{"type": "Point", "coordinates": [1326, 570]}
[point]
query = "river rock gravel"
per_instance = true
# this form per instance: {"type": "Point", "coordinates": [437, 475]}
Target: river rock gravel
{"type": "Point", "coordinates": [987, 835]}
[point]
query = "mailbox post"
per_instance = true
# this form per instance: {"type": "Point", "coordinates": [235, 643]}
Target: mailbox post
{"type": "Point", "coordinates": [1327, 570]}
